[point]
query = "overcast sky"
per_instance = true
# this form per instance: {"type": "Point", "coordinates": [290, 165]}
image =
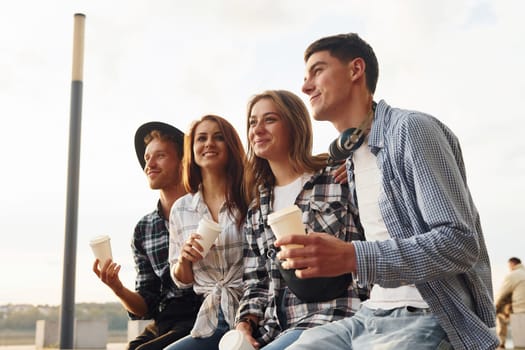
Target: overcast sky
{"type": "Point", "coordinates": [174, 61]}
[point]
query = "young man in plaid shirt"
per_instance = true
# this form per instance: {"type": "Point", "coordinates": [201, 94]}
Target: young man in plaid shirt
{"type": "Point", "coordinates": [159, 149]}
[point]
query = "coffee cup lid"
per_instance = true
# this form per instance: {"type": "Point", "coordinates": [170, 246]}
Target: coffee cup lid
{"type": "Point", "coordinates": [99, 239]}
{"type": "Point", "coordinates": [280, 213]}
{"type": "Point", "coordinates": [212, 224]}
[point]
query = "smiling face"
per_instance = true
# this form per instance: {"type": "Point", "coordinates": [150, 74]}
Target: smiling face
{"type": "Point", "coordinates": [209, 147]}
{"type": "Point", "coordinates": [267, 132]}
{"type": "Point", "coordinates": [328, 83]}
{"type": "Point", "coordinates": [162, 164]}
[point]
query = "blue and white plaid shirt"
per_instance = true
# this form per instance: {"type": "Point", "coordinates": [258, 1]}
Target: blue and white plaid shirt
{"type": "Point", "coordinates": [436, 238]}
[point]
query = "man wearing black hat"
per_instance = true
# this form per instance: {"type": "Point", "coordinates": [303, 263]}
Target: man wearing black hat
{"type": "Point", "coordinates": [159, 149]}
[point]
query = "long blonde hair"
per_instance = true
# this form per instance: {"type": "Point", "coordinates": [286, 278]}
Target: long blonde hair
{"type": "Point", "coordinates": [296, 118]}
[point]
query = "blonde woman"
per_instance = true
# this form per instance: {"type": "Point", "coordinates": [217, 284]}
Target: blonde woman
{"type": "Point", "coordinates": [282, 172]}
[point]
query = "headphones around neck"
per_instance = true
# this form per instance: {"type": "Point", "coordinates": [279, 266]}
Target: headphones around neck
{"type": "Point", "coordinates": [349, 140]}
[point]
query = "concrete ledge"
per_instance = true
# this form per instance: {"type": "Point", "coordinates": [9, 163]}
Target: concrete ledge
{"type": "Point", "coordinates": [46, 334]}
{"type": "Point", "coordinates": [110, 346]}
{"type": "Point", "coordinates": [517, 326]}
{"type": "Point", "coordinates": [136, 327]}
{"type": "Point", "coordinates": [91, 334]}
{"type": "Point", "coordinates": [88, 334]}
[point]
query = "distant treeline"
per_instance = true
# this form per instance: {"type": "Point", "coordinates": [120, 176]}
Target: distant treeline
{"type": "Point", "coordinates": [24, 317]}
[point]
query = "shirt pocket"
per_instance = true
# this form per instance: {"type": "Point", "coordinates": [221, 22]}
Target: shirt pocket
{"type": "Point", "coordinates": [328, 217]}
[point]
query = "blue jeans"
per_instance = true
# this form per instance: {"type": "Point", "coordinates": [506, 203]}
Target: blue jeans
{"type": "Point", "coordinates": [209, 343]}
{"type": "Point", "coordinates": [284, 340]}
{"type": "Point", "coordinates": [399, 329]}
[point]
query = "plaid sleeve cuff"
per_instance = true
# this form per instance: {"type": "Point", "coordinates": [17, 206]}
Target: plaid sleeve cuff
{"type": "Point", "coordinates": [366, 256]}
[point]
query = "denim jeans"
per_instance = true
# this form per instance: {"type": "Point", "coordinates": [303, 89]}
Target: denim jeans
{"type": "Point", "coordinates": [208, 343]}
{"type": "Point", "coordinates": [400, 329]}
{"type": "Point", "coordinates": [284, 340]}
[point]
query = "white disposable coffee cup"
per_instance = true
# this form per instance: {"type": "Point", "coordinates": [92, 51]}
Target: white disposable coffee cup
{"type": "Point", "coordinates": [285, 222]}
{"type": "Point", "coordinates": [234, 340]}
{"type": "Point", "coordinates": [209, 231]}
{"type": "Point", "coordinates": [101, 248]}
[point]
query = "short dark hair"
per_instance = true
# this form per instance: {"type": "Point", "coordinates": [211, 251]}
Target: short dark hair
{"type": "Point", "coordinates": [515, 260]}
{"type": "Point", "coordinates": [346, 47]}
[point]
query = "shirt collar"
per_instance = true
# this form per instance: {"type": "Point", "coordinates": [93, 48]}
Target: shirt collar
{"type": "Point", "coordinates": [375, 138]}
{"type": "Point", "coordinates": [160, 212]}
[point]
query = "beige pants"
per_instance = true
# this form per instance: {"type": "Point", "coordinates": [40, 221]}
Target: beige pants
{"type": "Point", "coordinates": [502, 322]}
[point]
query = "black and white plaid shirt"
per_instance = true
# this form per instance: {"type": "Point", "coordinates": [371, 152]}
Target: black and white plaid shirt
{"type": "Point", "coordinates": [326, 208]}
{"type": "Point", "coordinates": [150, 246]}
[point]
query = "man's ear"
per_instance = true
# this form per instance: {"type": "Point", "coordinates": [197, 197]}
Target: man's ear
{"type": "Point", "coordinates": [356, 68]}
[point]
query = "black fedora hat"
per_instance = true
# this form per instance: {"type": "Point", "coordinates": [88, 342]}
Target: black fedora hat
{"type": "Point", "coordinates": [164, 128]}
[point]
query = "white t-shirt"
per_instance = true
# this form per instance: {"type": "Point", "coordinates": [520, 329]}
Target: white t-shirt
{"type": "Point", "coordinates": [368, 189]}
{"type": "Point", "coordinates": [285, 196]}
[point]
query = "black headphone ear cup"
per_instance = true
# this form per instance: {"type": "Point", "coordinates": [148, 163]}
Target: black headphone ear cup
{"type": "Point", "coordinates": [350, 139]}
{"type": "Point", "coordinates": [356, 140]}
{"type": "Point", "coordinates": [345, 144]}
{"type": "Point", "coordinates": [344, 141]}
